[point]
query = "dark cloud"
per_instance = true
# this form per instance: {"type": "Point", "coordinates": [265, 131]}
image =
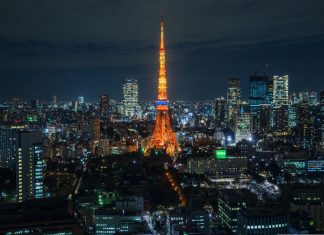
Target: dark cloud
{"type": "Point", "coordinates": [101, 41]}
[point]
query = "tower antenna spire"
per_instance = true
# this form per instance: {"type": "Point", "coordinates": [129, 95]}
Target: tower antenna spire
{"type": "Point", "coordinates": [162, 31]}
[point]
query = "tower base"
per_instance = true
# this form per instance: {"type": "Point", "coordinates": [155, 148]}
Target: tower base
{"type": "Point", "coordinates": [163, 137]}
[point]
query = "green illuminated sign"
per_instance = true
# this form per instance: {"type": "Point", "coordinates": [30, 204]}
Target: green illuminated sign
{"type": "Point", "coordinates": [221, 154]}
{"type": "Point", "coordinates": [31, 119]}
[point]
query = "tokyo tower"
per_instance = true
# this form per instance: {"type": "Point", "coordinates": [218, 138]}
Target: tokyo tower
{"type": "Point", "coordinates": [163, 137]}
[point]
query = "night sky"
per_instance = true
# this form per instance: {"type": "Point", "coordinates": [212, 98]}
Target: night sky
{"type": "Point", "coordinates": [87, 47]}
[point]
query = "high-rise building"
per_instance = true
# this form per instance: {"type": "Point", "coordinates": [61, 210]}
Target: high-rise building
{"type": "Point", "coordinates": [130, 101]}
{"type": "Point", "coordinates": [163, 137]}
{"type": "Point", "coordinates": [258, 90]}
{"type": "Point", "coordinates": [80, 102]}
{"type": "Point", "coordinates": [220, 112]}
{"type": "Point", "coordinates": [233, 100]}
{"type": "Point", "coordinates": [322, 114]}
{"type": "Point", "coordinates": [303, 125]}
{"type": "Point", "coordinates": [269, 98]}
{"type": "Point", "coordinates": [244, 124]}
{"type": "Point", "coordinates": [95, 128]}
{"type": "Point", "coordinates": [308, 96]}
{"type": "Point", "coordinates": [258, 94]}
{"type": "Point", "coordinates": [29, 167]}
{"type": "Point", "coordinates": [103, 106]}
{"type": "Point", "coordinates": [8, 145]}
{"type": "Point", "coordinates": [280, 90]}
{"type": "Point", "coordinates": [264, 114]}
{"type": "Point", "coordinates": [234, 93]}
{"type": "Point", "coordinates": [279, 118]}
{"type": "Point", "coordinates": [293, 99]}
{"type": "Point", "coordinates": [313, 98]}
{"type": "Point", "coordinates": [292, 115]}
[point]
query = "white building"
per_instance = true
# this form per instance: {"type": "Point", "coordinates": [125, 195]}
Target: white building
{"type": "Point", "coordinates": [130, 98]}
{"type": "Point", "coordinates": [280, 90]}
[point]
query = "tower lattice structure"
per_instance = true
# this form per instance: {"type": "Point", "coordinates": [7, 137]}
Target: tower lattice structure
{"type": "Point", "coordinates": [163, 137]}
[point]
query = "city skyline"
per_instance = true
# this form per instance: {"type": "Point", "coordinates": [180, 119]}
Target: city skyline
{"type": "Point", "coordinates": [228, 141]}
{"type": "Point", "coordinates": [205, 47]}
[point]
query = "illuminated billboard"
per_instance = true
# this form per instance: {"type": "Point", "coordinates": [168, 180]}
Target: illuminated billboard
{"type": "Point", "coordinates": [221, 154]}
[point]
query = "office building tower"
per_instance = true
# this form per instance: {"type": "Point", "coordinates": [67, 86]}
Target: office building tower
{"type": "Point", "coordinates": [292, 115]}
{"type": "Point", "coordinates": [280, 90]}
{"type": "Point", "coordinates": [29, 167]}
{"type": "Point", "coordinates": [258, 94]}
{"type": "Point", "coordinates": [234, 93]}
{"type": "Point", "coordinates": [8, 145]}
{"type": "Point", "coordinates": [81, 100]}
{"type": "Point", "coordinates": [293, 99]}
{"type": "Point", "coordinates": [95, 128]}
{"type": "Point", "coordinates": [322, 114]}
{"type": "Point", "coordinates": [269, 98]}
{"type": "Point", "coordinates": [264, 115]}
{"type": "Point", "coordinates": [258, 90]}
{"type": "Point", "coordinates": [280, 120]}
{"type": "Point", "coordinates": [303, 125]}
{"type": "Point", "coordinates": [220, 112]}
{"type": "Point", "coordinates": [130, 97]}
{"type": "Point", "coordinates": [244, 124]}
{"type": "Point", "coordinates": [308, 96]}
{"type": "Point", "coordinates": [233, 101]}
{"type": "Point", "coordinates": [313, 98]}
{"type": "Point", "coordinates": [103, 106]}
{"type": "Point", "coordinates": [74, 105]}
{"type": "Point", "coordinates": [316, 130]}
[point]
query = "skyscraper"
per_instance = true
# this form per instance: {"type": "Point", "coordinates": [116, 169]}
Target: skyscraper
{"type": "Point", "coordinates": [233, 101]}
{"type": "Point", "coordinates": [258, 90]}
{"type": "Point", "coordinates": [234, 93]}
{"type": "Point", "coordinates": [103, 105]}
{"type": "Point", "coordinates": [279, 118]}
{"type": "Point", "coordinates": [258, 94]}
{"type": "Point", "coordinates": [8, 144]}
{"type": "Point", "coordinates": [220, 112]}
{"type": "Point", "coordinates": [280, 103]}
{"type": "Point", "coordinates": [130, 101]}
{"type": "Point", "coordinates": [244, 124]}
{"type": "Point", "coordinates": [322, 114]}
{"type": "Point", "coordinates": [29, 167]}
{"type": "Point", "coordinates": [280, 90]}
{"type": "Point", "coordinates": [269, 98]}
{"type": "Point", "coordinates": [163, 137]}
{"type": "Point", "coordinates": [95, 128]}
{"type": "Point", "coordinates": [303, 125]}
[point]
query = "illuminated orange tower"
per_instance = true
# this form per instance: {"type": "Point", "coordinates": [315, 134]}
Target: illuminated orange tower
{"type": "Point", "coordinates": [163, 137]}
